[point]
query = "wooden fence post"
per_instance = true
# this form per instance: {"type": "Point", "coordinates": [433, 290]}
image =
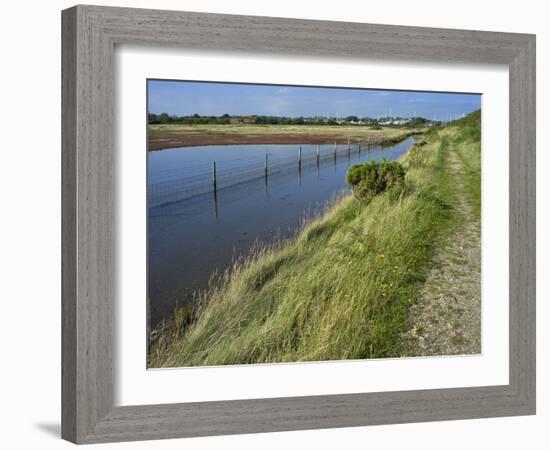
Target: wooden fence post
{"type": "Point", "coordinates": [215, 187]}
{"type": "Point", "coordinates": [318, 154]}
{"type": "Point", "coordinates": [214, 177]}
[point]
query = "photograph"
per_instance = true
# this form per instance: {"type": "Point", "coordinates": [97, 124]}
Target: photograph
{"type": "Point", "coordinates": [295, 224]}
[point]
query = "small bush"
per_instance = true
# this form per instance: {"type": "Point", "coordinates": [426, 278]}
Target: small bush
{"type": "Point", "coordinates": [370, 179]}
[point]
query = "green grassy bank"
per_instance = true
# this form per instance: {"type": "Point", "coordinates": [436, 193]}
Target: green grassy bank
{"type": "Point", "coordinates": [342, 288]}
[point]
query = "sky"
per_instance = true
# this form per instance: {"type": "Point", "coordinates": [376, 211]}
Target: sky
{"type": "Point", "coordinates": [215, 99]}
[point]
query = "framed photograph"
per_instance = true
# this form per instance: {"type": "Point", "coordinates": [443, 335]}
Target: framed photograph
{"type": "Point", "coordinates": [278, 224]}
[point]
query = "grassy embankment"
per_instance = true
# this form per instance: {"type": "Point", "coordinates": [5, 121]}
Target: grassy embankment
{"type": "Point", "coordinates": [343, 288]}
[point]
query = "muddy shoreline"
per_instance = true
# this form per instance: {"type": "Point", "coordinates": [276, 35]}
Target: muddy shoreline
{"type": "Point", "coordinates": [162, 141]}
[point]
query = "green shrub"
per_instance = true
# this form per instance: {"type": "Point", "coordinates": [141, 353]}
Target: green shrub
{"type": "Point", "coordinates": [370, 179]}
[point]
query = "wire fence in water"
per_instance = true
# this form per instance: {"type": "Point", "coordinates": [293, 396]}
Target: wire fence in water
{"type": "Point", "coordinates": [181, 183]}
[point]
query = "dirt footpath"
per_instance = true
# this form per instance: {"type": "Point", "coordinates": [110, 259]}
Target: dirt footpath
{"type": "Point", "coordinates": [446, 320]}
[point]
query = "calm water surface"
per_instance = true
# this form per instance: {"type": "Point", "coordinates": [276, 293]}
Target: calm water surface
{"type": "Point", "coordinates": [188, 240]}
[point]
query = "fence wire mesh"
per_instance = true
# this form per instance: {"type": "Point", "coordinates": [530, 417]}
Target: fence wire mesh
{"type": "Point", "coordinates": [181, 183]}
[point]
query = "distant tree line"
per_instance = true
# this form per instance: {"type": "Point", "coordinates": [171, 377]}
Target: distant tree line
{"type": "Point", "coordinates": [197, 119]}
{"type": "Point", "coordinates": [418, 122]}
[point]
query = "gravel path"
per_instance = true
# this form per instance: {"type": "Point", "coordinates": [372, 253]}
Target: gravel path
{"type": "Point", "coordinates": [446, 320]}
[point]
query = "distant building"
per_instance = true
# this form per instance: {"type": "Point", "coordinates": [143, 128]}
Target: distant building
{"type": "Point", "coordinates": [401, 122]}
{"type": "Point", "coordinates": [395, 122]}
{"type": "Point", "coordinates": [240, 120]}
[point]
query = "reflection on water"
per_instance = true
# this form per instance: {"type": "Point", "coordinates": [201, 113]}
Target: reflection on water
{"type": "Point", "coordinates": [191, 239]}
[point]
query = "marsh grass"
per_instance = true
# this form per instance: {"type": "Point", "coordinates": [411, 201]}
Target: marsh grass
{"type": "Point", "coordinates": [391, 134]}
{"type": "Point", "coordinates": [340, 289]}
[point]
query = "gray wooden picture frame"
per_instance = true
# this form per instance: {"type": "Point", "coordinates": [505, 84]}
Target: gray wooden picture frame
{"type": "Point", "coordinates": [90, 34]}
